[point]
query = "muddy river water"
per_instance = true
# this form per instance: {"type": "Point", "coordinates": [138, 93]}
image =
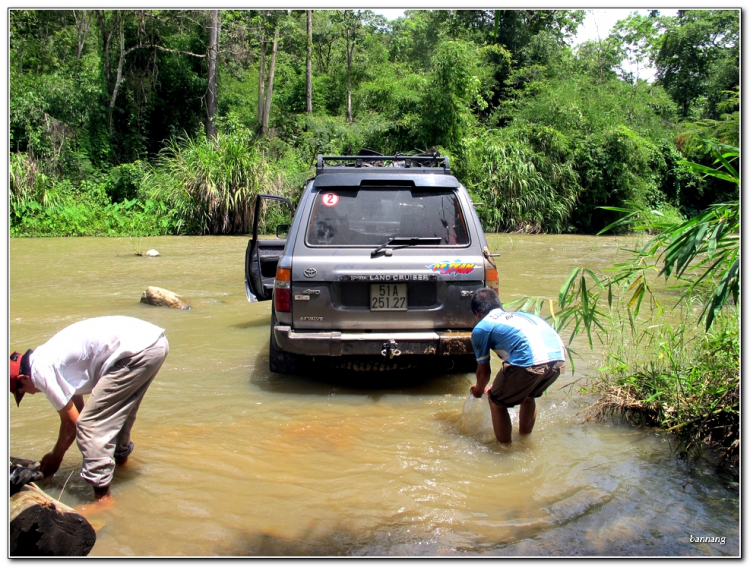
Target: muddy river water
{"type": "Point", "coordinates": [232, 460]}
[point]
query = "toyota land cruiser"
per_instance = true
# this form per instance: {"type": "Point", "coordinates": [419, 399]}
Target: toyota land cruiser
{"type": "Point", "coordinates": [377, 269]}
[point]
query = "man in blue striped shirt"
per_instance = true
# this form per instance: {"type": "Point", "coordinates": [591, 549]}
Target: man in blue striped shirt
{"type": "Point", "coordinates": [533, 357]}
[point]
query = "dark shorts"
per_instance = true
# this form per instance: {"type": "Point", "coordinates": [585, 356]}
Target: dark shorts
{"type": "Point", "coordinates": [513, 384]}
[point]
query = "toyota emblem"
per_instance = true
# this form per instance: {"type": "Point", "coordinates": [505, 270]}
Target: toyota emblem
{"type": "Point", "coordinates": [310, 272]}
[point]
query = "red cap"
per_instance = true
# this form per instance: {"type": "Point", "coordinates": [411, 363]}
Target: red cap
{"type": "Point", "coordinates": [15, 370]}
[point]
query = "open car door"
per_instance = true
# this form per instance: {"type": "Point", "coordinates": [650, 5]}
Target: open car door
{"type": "Point", "coordinates": [262, 255]}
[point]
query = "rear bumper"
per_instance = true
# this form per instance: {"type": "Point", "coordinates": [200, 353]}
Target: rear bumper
{"type": "Point", "coordinates": [335, 343]}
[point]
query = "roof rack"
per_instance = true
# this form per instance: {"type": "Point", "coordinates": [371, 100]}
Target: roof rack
{"type": "Point", "coordinates": [384, 164]}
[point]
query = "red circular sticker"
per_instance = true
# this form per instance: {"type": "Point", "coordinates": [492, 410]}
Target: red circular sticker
{"type": "Point", "coordinates": [330, 199]}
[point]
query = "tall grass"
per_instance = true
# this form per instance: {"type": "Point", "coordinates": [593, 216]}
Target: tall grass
{"type": "Point", "coordinates": [211, 183]}
{"type": "Point", "coordinates": [198, 186]}
{"type": "Point", "coordinates": [29, 184]}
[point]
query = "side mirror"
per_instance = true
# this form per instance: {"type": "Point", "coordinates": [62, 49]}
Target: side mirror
{"type": "Point", "coordinates": [282, 230]}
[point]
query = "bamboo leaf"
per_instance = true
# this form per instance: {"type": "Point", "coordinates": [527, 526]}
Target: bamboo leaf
{"type": "Point", "coordinates": [586, 310]}
{"type": "Point", "coordinates": [637, 281]}
{"type": "Point", "coordinates": [728, 166]}
{"type": "Point", "coordinates": [593, 276]}
{"type": "Point", "coordinates": [565, 289]}
{"type": "Point", "coordinates": [728, 282]}
{"type": "Point", "coordinates": [712, 241]}
{"type": "Point", "coordinates": [637, 294]}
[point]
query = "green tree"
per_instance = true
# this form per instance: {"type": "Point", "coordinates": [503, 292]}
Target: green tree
{"type": "Point", "coordinates": [699, 57]}
{"type": "Point", "coordinates": [515, 28]}
{"type": "Point", "coordinates": [96, 95]}
{"type": "Point", "coordinates": [616, 133]}
{"type": "Point", "coordinates": [452, 89]}
{"type": "Point", "coordinates": [639, 37]}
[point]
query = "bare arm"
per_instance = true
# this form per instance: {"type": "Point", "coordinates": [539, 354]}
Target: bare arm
{"type": "Point", "coordinates": [68, 420]}
{"type": "Point", "coordinates": [483, 378]}
{"type": "Point", "coordinates": [77, 400]}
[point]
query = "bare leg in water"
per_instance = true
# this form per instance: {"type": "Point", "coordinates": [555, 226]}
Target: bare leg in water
{"type": "Point", "coordinates": [501, 422]}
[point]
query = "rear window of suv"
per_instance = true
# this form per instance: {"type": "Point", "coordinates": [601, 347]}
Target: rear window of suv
{"type": "Point", "coordinates": [370, 216]}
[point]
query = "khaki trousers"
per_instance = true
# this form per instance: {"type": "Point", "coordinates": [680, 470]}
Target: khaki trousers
{"type": "Point", "coordinates": [109, 414]}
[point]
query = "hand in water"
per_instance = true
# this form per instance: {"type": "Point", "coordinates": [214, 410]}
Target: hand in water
{"type": "Point", "coordinates": [474, 391]}
{"type": "Point", "coordinates": [49, 464]}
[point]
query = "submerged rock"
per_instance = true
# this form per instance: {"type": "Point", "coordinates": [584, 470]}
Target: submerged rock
{"type": "Point", "coordinates": [151, 252]}
{"type": "Point", "coordinates": [163, 298]}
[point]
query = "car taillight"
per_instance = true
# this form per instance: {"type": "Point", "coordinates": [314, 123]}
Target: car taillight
{"type": "Point", "coordinates": [490, 277]}
{"type": "Point", "coordinates": [490, 271]}
{"type": "Point", "coordinates": [282, 293]}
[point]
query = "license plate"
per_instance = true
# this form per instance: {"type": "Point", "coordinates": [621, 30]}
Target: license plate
{"type": "Point", "coordinates": [388, 297]}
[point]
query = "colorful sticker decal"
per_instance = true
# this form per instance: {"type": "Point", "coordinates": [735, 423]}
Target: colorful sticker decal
{"type": "Point", "coordinates": [329, 199]}
{"type": "Point", "coordinates": [448, 268]}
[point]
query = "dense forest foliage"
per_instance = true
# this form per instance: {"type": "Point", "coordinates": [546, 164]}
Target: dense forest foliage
{"type": "Point", "coordinates": [170, 121]}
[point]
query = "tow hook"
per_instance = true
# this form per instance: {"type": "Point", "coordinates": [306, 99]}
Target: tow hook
{"type": "Point", "coordinates": [390, 349]}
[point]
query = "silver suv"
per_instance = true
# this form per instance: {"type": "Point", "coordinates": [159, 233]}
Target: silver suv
{"type": "Point", "coordinates": [377, 269]}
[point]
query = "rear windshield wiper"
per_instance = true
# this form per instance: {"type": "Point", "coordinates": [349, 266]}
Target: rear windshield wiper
{"type": "Point", "coordinates": [404, 241]}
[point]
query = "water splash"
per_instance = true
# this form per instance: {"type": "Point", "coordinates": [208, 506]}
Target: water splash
{"type": "Point", "coordinates": [476, 419]}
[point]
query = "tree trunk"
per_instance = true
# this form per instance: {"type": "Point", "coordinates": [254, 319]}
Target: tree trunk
{"type": "Point", "coordinates": [262, 72]}
{"type": "Point", "coordinates": [106, 39]}
{"type": "Point", "coordinates": [42, 526]}
{"type": "Point", "coordinates": [349, 80]}
{"type": "Point", "coordinates": [351, 24]}
{"type": "Point", "coordinates": [308, 95]}
{"type": "Point", "coordinates": [269, 88]}
{"type": "Point", "coordinates": [212, 56]}
{"type": "Point", "coordinates": [83, 31]}
{"type": "Point", "coordinates": [118, 77]}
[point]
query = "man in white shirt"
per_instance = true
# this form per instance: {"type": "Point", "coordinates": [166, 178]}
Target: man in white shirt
{"type": "Point", "coordinates": [114, 359]}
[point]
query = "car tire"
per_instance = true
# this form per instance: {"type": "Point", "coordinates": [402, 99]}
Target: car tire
{"type": "Point", "coordinates": [279, 361]}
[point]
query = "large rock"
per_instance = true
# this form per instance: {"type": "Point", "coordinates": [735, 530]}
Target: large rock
{"type": "Point", "coordinates": [163, 298]}
{"type": "Point", "coordinates": [40, 525]}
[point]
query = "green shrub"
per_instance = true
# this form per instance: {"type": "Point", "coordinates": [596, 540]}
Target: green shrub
{"type": "Point", "coordinates": [524, 178]}
{"type": "Point", "coordinates": [211, 183]}
{"type": "Point", "coordinates": [125, 181]}
{"type": "Point", "coordinates": [331, 135]}
{"type": "Point", "coordinates": [42, 205]}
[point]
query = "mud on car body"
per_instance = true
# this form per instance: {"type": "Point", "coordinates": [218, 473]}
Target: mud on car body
{"type": "Point", "coordinates": [377, 269]}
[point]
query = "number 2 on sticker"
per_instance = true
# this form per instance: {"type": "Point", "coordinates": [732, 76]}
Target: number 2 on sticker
{"type": "Point", "coordinates": [330, 199]}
